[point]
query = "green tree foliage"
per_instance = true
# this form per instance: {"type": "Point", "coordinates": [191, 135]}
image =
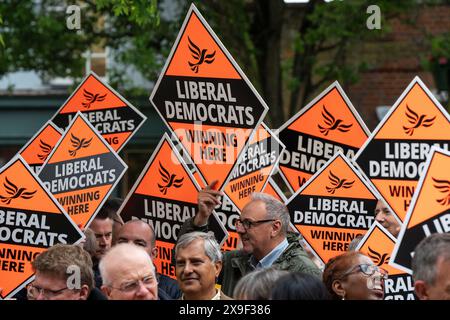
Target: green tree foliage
{"type": "Point", "coordinates": [289, 52]}
{"type": "Point", "coordinates": [36, 36]}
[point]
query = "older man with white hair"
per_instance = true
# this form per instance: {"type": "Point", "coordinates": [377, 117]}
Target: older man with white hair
{"type": "Point", "coordinates": [128, 273]}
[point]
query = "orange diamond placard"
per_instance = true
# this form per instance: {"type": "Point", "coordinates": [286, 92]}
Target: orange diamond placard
{"type": "Point", "coordinates": [112, 115]}
{"type": "Point", "coordinates": [255, 167]}
{"type": "Point", "coordinates": [31, 220]}
{"type": "Point", "coordinates": [333, 207]}
{"type": "Point", "coordinates": [82, 171]}
{"type": "Point", "coordinates": [328, 124]}
{"type": "Point", "coordinates": [429, 211]}
{"type": "Point", "coordinates": [393, 157]}
{"type": "Point", "coordinates": [206, 100]}
{"type": "Point", "coordinates": [36, 151]}
{"type": "Point", "coordinates": [378, 244]}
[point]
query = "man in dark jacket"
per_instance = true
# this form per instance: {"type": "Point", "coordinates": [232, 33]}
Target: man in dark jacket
{"type": "Point", "coordinates": [263, 230]}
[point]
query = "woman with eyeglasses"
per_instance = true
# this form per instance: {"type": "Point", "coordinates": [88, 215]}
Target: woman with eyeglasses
{"type": "Point", "coordinates": [353, 276]}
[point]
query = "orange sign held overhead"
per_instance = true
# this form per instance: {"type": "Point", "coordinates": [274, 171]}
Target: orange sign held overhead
{"type": "Point", "coordinates": [36, 151]}
{"type": "Point", "coordinates": [31, 220]}
{"type": "Point", "coordinates": [255, 167]}
{"type": "Point", "coordinates": [164, 196]}
{"type": "Point", "coordinates": [206, 100]}
{"type": "Point", "coordinates": [115, 118]}
{"type": "Point", "coordinates": [328, 124]}
{"type": "Point", "coordinates": [393, 157]}
{"type": "Point", "coordinates": [378, 244]}
{"type": "Point", "coordinates": [333, 207]}
{"type": "Point", "coordinates": [429, 211]}
{"type": "Point", "coordinates": [82, 171]}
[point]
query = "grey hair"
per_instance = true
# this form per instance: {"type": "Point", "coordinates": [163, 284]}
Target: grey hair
{"type": "Point", "coordinates": [258, 284]}
{"type": "Point", "coordinates": [426, 255]}
{"type": "Point", "coordinates": [275, 209]}
{"type": "Point", "coordinates": [212, 248]}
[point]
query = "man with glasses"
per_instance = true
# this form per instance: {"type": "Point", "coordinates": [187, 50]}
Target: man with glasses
{"type": "Point", "coordinates": [128, 273]}
{"type": "Point", "coordinates": [263, 229]}
{"type": "Point", "coordinates": [63, 272]}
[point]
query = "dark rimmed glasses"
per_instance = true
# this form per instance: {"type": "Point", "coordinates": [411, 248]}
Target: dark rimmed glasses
{"type": "Point", "coordinates": [368, 270]}
{"type": "Point", "coordinates": [247, 224]}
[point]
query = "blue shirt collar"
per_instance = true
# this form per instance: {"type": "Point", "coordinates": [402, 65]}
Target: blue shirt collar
{"type": "Point", "coordinates": [271, 257]}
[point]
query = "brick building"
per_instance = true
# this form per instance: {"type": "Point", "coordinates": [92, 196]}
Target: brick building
{"type": "Point", "coordinates": [383, 84]}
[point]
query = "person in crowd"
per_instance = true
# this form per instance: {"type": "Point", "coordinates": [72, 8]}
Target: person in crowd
{"type": "Point", "coordinates": [386, 218]}
{"type": "Point", "coordinates": [63, 272]}
{"type": "Point", "coordinates": [110, 208]}
{"type": "Point", "coordinates": [258, 284]}
{"type": "Point", "coordinates": [198, 264]}
{"type": "Point", "coordinates": [263, 230]}
{"type": "Point", "coordinates": [102, 227]}
{"type": "Point", "coordinates": [299, 286]}
{"type": "Point", "coordinates": [142, 234]}
{"type": "Point", "coordinates": [431, 267]}
{"type": "Point", "coordinates": [353, 276]}
{"type": "Point", "coordinates": [128, 273]}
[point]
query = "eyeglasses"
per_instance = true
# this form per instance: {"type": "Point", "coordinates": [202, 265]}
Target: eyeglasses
{"type": "Point", "coordinates": [132, 286]}
{"type": "Point", "coordinates": [34, 291]}
{"type": "Point", "coordinates": [368, 270]}
{"type": "Point", "coordinates": [247, 224]}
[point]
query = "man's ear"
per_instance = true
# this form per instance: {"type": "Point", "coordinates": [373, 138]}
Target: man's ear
{"type": "Point", "coordinates": [218, 267]}
{"type": "Point", "coordinates": [421, 290]}
{"type": "Point", "coordinates": [154, 253]}
{"type": "Point", "coordinates": [84, 292]}
{"type": "Point", "coordinates": [106, 290]}
{"type": "Point", "coordinates": [338, 288]}
{"type": "Point", "coordinates": [276, 227]}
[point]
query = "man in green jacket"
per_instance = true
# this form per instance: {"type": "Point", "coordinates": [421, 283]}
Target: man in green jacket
{"type": "Point", "coordinates": [263, 229]}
